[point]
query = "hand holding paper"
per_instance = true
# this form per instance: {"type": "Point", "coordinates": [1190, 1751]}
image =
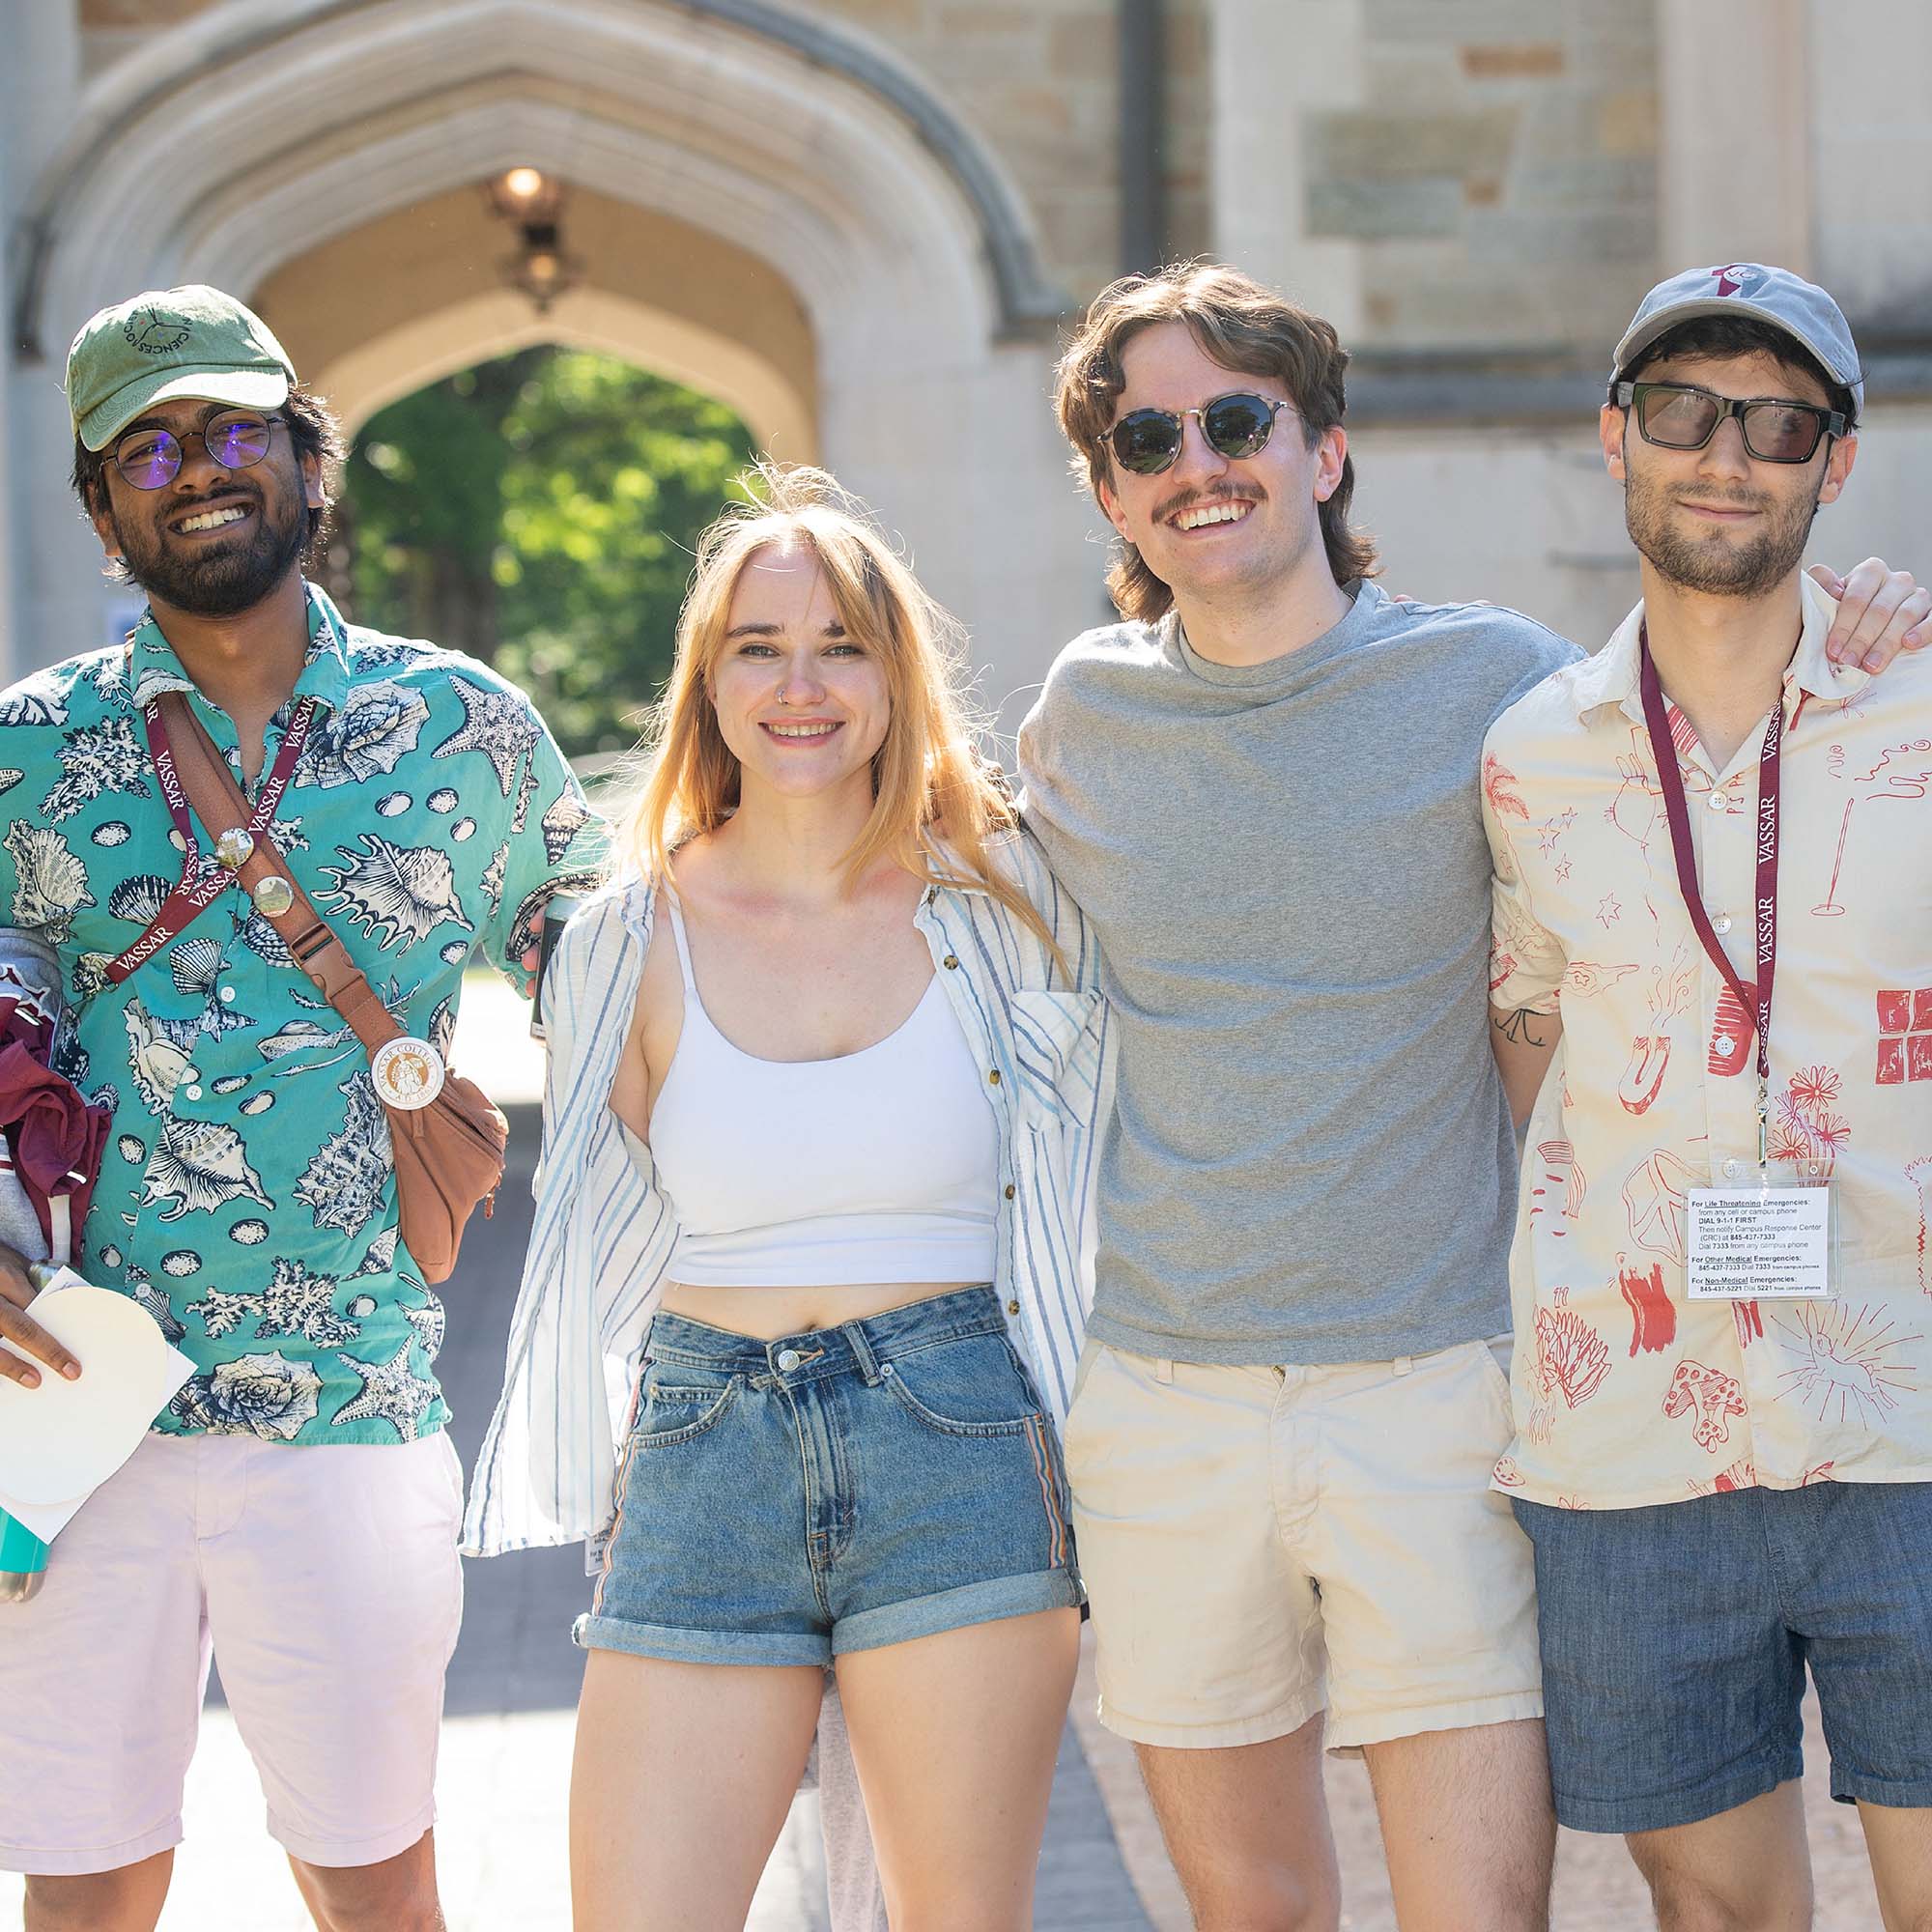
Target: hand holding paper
{"type": "Point", "coordinates": [63, 1439]}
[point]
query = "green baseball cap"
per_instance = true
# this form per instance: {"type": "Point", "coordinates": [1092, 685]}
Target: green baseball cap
{"type": "Point", "coordinates": [193, 341]}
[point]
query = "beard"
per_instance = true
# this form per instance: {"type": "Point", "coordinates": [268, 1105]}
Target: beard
{"type": "Point", "coordinates": [216, 581]}
{"type": "Point", "coordinates": [1714, 564]}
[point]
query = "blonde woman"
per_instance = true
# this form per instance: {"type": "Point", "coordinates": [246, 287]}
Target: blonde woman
{"type": "Point", "coordinates": [814, 1204]}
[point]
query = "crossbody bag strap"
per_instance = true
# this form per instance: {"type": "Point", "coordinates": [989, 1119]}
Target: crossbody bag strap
{"type": "Point", "coordinates": [218, 802]}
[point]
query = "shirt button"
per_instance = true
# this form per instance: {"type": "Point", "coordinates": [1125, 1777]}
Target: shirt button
{"type": "Point", "coordinates": [1720, 922]}
{"type": "Point", "coordinates": [228, 993]}
{"type": "Point", "coordinates": [951, 962]}
{"type": "Point", "coordinates": [993, 1078]}
{"type": "Point", "coordinates": [1010, 1190]}
{"type": "Point", "coordinates": [193, 1092]}
{"type": "Point", "coordinates": [1012, 1308]}
{"type": "Point", "coordinates": [1734, 1170]}
{"type": "Point", "coordinates": [1720, 800]}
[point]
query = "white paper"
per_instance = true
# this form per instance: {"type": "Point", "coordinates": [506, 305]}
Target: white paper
{"type": "Point", "coordinates": [1758, 1243]}
{"type": "Point", "coordinates": [60, 1441]}
{"type": "Point", "coordinates": [46, 1520]}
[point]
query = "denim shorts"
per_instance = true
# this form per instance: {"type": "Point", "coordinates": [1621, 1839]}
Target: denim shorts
{"type": "Point", "coordinates": [786, 1501]}
{"type": "Point", "coordinates": [1675, 1640]}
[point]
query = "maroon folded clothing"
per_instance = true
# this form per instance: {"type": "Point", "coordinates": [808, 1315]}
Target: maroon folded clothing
{"type": "Point", "coordinates": [55, 1136]}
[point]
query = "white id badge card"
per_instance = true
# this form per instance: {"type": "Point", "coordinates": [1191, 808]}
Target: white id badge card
{"type": "Point", "coordinates": [1770, 1242]}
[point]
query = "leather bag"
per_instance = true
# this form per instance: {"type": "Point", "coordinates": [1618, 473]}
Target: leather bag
{"type": "Point", "coordinates": [449, 1153]}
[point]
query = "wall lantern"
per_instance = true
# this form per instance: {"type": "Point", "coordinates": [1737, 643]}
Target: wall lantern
{"type": "Point", "coordinates": [531, 202]}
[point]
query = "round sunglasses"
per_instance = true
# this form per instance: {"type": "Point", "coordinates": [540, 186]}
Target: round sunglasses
{"type": "Point", "coordinates": [1675, 415]}
{"type": "Point", "coordinates": [1147, 440]}
{"type": "Point", "coordinates": [235, 439]}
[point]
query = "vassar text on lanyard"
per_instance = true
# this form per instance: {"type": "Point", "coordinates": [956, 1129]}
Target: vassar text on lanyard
{"type": "Point", "coordinates": [199, 887]}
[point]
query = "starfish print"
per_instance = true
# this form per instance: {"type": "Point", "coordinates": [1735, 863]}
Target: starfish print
{"type": "Point", "coordinates": [1554, 828]}
{"type": "Point", "coordinates": [390, 1393]}
{"type": "Point", "coordinates": [496, 722]}
{"type": "Point", "coordinates": [1562, 870]}
{"type": "Point", "coordinates": [1609, 911]}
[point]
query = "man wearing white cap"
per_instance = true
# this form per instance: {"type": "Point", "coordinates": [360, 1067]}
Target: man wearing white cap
{"type": "Point", "coordinates": [296, 1506]}
{"type": "Point", "coordinates": [1713, 850]}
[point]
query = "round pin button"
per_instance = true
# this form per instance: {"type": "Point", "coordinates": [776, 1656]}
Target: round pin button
{"type": "Point", "coordinates": [274, 896]}
{"type": "Point", "coordinates": [235, 847]}
{"type": "Point", "coordinates": [406, 1073]}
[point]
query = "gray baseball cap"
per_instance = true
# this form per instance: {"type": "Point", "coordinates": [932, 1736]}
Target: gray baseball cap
{"type": "Point", "coordinates": [1802, 309]}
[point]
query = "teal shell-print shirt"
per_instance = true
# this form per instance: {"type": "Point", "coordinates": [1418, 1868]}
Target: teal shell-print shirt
{"type": "Point", "coordinates": [246, 1198]}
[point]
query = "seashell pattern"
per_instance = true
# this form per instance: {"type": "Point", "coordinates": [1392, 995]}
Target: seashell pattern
{"type": "Point", "coordinates": [395, 894]}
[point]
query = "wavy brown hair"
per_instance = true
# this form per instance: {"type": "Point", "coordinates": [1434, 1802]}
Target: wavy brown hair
{"type": "Point", "coordinates": [1250, 331]}
{"type": "Point", "coordinates": [936, 802]}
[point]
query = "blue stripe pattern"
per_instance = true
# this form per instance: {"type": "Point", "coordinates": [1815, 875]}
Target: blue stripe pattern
{"type": "Point", "coordinates": [605, 1229]}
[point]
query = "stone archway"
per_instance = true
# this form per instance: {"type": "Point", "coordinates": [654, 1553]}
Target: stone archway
{"type": "Point", "coordinates": [873, 214]}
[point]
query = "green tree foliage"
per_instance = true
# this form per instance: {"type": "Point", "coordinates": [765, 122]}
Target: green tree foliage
{"type": "Point", "coordinates": [540, 511]}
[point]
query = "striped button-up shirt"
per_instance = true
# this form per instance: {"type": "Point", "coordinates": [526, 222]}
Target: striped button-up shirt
{"type": "Point", "coordinates": [605, 1227]}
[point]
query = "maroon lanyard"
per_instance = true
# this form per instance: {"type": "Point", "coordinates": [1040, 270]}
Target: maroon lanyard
{"type": "Point", "coordinates": [199, 887]}
{"type": "Point", "coordinates": [1754, 1001]}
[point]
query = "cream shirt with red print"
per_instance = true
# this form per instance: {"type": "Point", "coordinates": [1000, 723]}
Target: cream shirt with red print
{"type": "Point", "coordinates": [1628, 1393]}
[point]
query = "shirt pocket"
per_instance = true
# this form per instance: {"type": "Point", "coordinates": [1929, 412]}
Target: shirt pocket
{"type": "Point", "coordinates": [1048, 1032]}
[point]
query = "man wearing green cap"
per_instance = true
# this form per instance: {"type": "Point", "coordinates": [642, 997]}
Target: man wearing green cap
{"type": "Point", "coordinates": [298, 1502]}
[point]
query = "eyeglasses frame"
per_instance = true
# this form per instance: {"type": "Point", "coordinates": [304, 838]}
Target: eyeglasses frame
{"type": "Point", "coordinates": [1178, 417]}
{"type": "Point", "coordinates": [180, 441]}
{"type": "Point", "coordinates": [1629, 396]}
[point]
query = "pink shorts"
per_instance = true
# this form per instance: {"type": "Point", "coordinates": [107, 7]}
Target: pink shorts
{"type": "Point", "coordinates": [329, 1581]}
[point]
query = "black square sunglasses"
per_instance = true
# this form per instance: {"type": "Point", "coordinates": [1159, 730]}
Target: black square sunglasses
{"type": "Point", "coordinates": [1675, 415]}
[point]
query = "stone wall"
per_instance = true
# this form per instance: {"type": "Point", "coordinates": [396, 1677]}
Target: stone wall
{"type": "Point", "coordinates": [1498, 172]}
{"type": "Point", "coordinates": [1038, 81]}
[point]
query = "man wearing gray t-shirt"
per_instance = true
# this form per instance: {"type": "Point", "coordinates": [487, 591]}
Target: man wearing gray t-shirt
{"type": "Point", "coordinates": [1264, 791]}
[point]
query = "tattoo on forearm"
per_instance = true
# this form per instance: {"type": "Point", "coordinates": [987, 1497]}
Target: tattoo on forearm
{"type": "Point", "coordinates": [1523, 1027]}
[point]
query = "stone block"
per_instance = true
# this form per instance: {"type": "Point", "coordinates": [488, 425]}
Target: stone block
{"type": "Point", "coordinates": [1187, 34]}
{"type": "Point", "coordinates": [1425, 79]}
{"type": "Point", "coordinates": [1519, 238]}
{"type": "Point", "coordinates": [980, 21]}
{"type": "Point", "coordinates": [1459, 22]}
{"type": "Point", "coordinates": [891, 17]}
{"type": "Point", "coordinates": [1084, 43]}
{"type": "Point", "coordinates": [138, 12]}
{"type": "Point", "coordinates": [1627, 122]}
{"type": "Point", "coordinates": [1369, 145]}
{"type": "Point", "coordinates": [1383, 211]}
{"type": "Point", "coordinates": [1521, 60]}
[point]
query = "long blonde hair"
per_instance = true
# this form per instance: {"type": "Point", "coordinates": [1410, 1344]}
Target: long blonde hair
{"type": "Point", "coordinates": [936, 801]}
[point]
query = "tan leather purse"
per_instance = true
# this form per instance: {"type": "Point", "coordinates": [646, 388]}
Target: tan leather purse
{"type": "Point", "coordinates": [448, 1150]}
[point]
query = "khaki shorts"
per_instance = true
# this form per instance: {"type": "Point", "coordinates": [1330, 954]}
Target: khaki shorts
{"type": "Point", "coordinates": [1259, 1543]}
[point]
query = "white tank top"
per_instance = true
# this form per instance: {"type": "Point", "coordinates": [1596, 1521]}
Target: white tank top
{"type": "Point", "coordinates": [878, 1166]}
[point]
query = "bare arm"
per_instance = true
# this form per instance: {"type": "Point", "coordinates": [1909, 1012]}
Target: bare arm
{"type": "Point", "coordinates": [1523, 1044]}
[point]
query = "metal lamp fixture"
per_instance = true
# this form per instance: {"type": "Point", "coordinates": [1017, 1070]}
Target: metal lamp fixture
{"type": "Point", "coordinates": [532, 203]}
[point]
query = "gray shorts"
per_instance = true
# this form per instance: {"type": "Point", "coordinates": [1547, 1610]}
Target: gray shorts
{"type": "Point", "coordinates": [1675, 1640]}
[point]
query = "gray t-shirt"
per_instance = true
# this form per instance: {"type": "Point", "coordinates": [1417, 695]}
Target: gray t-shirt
{"type": "Point", "coordinates": [1310, 1158]}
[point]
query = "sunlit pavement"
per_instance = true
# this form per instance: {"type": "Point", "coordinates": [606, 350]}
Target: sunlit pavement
{"type": "Point", "coordinates": [505, 1775]}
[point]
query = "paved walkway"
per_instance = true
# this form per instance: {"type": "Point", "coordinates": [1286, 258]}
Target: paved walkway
{"type": "Point", "coordinates": [504, 1773]}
